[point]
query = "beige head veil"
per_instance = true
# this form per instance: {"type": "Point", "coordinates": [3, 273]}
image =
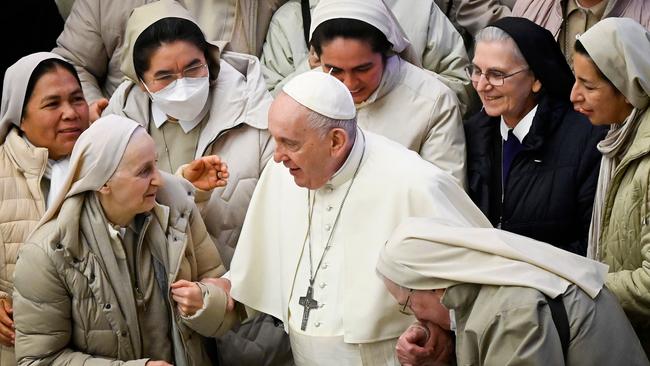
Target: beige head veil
{"type": "Point", "coordinates": [95, 157]}
{"type": "Point", "coordinates": [426, 254]}
{"type": "Point", "coordinates": [619, 47]}
{"type": "Point", "coordinates": [14, 89]}
{"type": "Point", "coordinates": [144, 16]}
{"type": "Point", "coordinates": [373, 12]}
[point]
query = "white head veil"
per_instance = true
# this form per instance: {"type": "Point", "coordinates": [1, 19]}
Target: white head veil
{"type": "Point", "coordinates": [373, 12]}
{"type": "Point", "coordinates": [427, 253]}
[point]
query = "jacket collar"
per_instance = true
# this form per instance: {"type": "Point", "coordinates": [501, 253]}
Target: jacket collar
{"type": "Point", "coordinates": [25, 158]}
{"type": "Point", "coordinates": [391, 76]}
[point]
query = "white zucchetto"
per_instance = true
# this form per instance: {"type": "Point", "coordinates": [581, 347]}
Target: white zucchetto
{"type": "Point", "coordinates": [323, 94]}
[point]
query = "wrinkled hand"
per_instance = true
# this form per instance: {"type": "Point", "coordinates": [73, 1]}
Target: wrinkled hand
{"type": "Point", "coordinates": [207, 173]}
{"type": "Point", "coordinates": [157, 363]}
{"type": "Point", "coordinates": [313, 59]}
{"type": "Point", "coordinates": [225, 285]}
{"type": "Point", "coordinates": [7, 334]}
{"type": "Point", "coordinates": [417, 348]}
{"type": "Point", "coordinates": [96, 108]}
{"type": "Point", "coordinates": [188, 297]}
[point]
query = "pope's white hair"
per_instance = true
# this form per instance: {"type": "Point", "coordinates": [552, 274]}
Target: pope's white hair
{"type": "Point", "coordinates": [323, 124]}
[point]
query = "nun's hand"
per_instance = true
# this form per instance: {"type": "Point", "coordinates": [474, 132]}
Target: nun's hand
{"type": "Point", "coordinates": [96, 108]}
{"type": "Point", "coordinates": [7, 334]}
{"type": "Point", "coordinates": [424, 344]}
{"type": "Point", "coordinates": [207, 173]}
{"type": "Point", "coordinates": [188, 297]}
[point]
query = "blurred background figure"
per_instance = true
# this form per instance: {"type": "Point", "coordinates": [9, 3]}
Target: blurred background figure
{"type": "Point", "coordinates": [566, 19]}
{"type": "Point", "coordinates": [532, 160]}
{"type": "Point", "coordinates": [93, 38]}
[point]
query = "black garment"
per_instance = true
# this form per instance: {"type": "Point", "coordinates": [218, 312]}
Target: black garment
{"type": "Point", "coordinates": [542, 53]}
{"type": "Point", "coordinates": [30, 26]}
{"type": "Point", "coordinates": [551, 185]}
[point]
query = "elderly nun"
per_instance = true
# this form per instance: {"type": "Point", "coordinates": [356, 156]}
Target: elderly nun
{"type": "Point", "coordinates": [612, 86]}
{"type": "Point", "coordinates": [508, 298]}
{"type": "Point", "coordinates": [112, 270]}
{"type": "Point", "coordinates": [43, 113]}
{"type": "Point", "coordinates": [532, 160]}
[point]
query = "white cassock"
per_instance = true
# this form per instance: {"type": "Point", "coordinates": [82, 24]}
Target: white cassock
{"type": "Point", "coordinates": [357, 321]}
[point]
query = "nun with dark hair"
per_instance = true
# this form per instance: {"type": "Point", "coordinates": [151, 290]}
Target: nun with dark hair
{"type": "Point", "coordinates": [532, 160]}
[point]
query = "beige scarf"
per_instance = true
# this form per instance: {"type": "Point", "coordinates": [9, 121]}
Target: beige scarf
{"type": "Point", "coordinates": [613, 147]}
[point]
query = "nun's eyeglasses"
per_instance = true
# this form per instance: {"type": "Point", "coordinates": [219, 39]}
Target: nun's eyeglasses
{"type": "Point", "coordinates": [494, 78]}
{"type": "Point", "coordinates": [405, 308]}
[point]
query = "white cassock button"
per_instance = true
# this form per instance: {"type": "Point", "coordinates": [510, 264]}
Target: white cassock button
{"type": "Point", "coordinates": [322, 285]}
{"type": "Point", "coordinates": [329, 189]}
{"type": "Point", "coordinates": [324, 266]}
{"type": "Point", "coordinates": [328, 227]}
{"type": "Point", "coordinates": [329, 208]}
{"type": "Point", "coordinates": [321, 305]}
{"type": "Point", "coordinates": [317, 324]}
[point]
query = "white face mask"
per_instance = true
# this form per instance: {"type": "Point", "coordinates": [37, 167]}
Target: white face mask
{"type": "Point", "coordinates": [183, 99]}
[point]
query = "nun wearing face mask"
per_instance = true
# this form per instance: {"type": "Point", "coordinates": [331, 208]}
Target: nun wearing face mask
{"type": "Point", "coordinates": [509, 299]}
{"type": "Point", "coordinates": [195, 101]}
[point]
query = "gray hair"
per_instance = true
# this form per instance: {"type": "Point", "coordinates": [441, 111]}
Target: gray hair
{"type": "Point", "coordinates": [494, 34]}
{"type": "Point", "coordinates": [323, 124]}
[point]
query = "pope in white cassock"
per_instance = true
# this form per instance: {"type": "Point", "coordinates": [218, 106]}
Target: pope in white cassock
{"type": "Point", "coordinates": [321, 213]}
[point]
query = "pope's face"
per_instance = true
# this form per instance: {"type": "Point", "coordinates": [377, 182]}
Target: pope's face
{"type": "Point", "coordinates": [300, 147]}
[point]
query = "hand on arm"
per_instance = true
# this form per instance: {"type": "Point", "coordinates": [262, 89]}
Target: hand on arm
{"type": "Point", "coordinates": [206, 173]}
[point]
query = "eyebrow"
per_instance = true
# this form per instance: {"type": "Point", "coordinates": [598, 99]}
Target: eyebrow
{"type": "Point", "coordinates": [167, 72]}
{"type": "Point", "coordinates": [367, 64]}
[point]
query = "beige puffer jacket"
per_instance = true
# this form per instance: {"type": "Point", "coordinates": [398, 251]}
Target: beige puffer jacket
{"type": "Point", "coordinates": [21, 206]}
{"type": "Point", "coordinates": [67, 311]}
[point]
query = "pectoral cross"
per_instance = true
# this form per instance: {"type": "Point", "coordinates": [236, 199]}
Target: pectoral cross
{"type": "Point", "coordinates": [308, 303]}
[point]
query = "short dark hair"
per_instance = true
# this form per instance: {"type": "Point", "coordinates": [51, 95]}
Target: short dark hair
{"type": "Point", "coordinates": [349, 28]}
{"type": "Point", "coordinates": [166, 30]}
{"type": "Point", "coordinates": [580, 49]}
{"type": "Point", "coordinates": [41, 69]}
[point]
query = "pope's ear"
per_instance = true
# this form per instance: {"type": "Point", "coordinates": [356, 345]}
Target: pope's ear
{"type": "Point", "coordinates": [339, 139]}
